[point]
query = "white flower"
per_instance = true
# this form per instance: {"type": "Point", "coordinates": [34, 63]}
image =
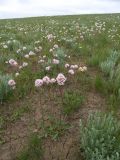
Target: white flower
{"type": "Point", "coordinates": [51, 50]}
{"type": "Point", "coordinates": [6, 62]}
{"type": "Point", "coordinates": [53, 80]}
{"type": "Point", "coordinates": [24, 48]}
{"type": "Point", "coordinates": [20, 67]}
{"type": "Point", "coordinates": [44, 56]}
{"type": "Point", "coordinates": [17, 74]}
{"type": "Point", "coordinates": [55, 46]}
{"type": "Point", "coordinates": [5, 46]}
{"type": "Point", "coordinates": [40, 48]}
{"type": "Point", "coordinates": [26, 56]}
{"type": "Point", "coordinates": [67, 65]}
{"type": "Point", "coordinates": [31, 53]}
{"type": "Point", "coordinates": [82, 69]}
{"type": "Point", "coordinates": [76, 66]}
{"type": "Point", "coordinates": [41, 61]}
{"type": "Point", "coordinates": [85, 68]}
{"type": "Point", "coordinates": [25, 64]}
{"type": "Point", "coordinates": [71, 71]}
{"type": "Point", "coordinates": [19, 50]}
{"type": "Point", "coordinates": [48, 68]}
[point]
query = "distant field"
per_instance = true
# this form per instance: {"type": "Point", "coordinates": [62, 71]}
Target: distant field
{"type": "Point", "coordinates": [60, 88]}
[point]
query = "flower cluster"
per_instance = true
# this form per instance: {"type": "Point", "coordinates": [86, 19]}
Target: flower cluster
{"type": "Point", "coordinates": [13, 63]}
{"type": "Point", "coordinates": [82, 69]}
{"type": "Point", "coordinates": [61, 79]}
{"type": "Point", "coordinates": [12, 83]}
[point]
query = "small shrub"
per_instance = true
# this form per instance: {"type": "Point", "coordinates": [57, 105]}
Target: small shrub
{"type": "Point", "coordinates": [34, 150]}
{"type": "Point", "coordinates": [108, 65]}
{"type": "Point", "coordinates": [71, 102]}
{"type": "Point", "coordinates": [60, 55]}
{"type": "Point", "coordinates": [100, 138]}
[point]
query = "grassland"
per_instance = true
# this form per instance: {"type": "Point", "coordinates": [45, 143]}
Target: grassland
{"type": "Point", "coordinates": [60, 88]}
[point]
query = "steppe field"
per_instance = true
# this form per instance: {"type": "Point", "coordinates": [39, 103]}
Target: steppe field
{"type": "Point", "coordinates": [60, 88]}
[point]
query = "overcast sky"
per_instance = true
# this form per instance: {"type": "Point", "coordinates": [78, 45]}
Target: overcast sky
{"type": "Point", "coordinates": [28, 8]}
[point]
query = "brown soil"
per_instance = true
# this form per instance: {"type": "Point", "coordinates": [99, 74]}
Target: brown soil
{"type": "Point", "coordinates": [67, 147]}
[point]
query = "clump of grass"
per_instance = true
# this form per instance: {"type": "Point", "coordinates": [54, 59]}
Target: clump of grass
{"type": "Point", "coordinates": [94, 60]}
{"type": "Point", "coordinates": [5, 89]}
{"type": "Point", "coordinates": [72, 100]}
{"type": "Point", "coordinates": [55, 128]}
{"type": "Point", "coordinates": [34, 150]}
{"type": "Point", "coordinates": [24, 83]}
{"type": "Point", "coordinates": [101, 85]}
{"type": "Point", "coordinates": [19, 112]}
{"type": "Point", "coordinates": [100, 138]}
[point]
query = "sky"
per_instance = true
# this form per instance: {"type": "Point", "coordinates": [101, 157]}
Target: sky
{"type": "Point", "coordinates": [32, 8]}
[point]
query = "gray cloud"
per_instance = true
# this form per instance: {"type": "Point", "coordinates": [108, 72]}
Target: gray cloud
{"type": "Point", "coordinates": [25, 8]}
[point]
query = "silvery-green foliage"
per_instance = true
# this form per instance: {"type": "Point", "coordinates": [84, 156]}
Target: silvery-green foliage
{"type": "Point", "coordinates": [116, 77]}
{"type": "Point", "coordinates": [5, 89]}
{"type": "Point", "coordinates": [108, 66]}
{"type": "Point", "coordinates": [100, 138]}
{"type": "Point", "coordinates": [60, 55]}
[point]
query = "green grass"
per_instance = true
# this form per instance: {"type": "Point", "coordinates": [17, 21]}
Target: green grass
{"type": "Point", "coordinates": [33, 150]}
{"type": "Point", "coordinates": [54, 129]}
{"type": "Point", "coordinates": [84, 40]}
{"type": "Point", "coordinates": [72, 101]}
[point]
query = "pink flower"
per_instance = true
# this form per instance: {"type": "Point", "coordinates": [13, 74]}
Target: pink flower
{"type": "Point", "coordinates": [46, 79]}
{"type": "Point", "coordinates": [55, 61]}
{"type": "Point", "coordinates": [72, 66]}
{"type": "Point", "coordinates": [53, 80]}
{"type": "Point", "coordinates": [11, 83]}
{"type": "Point", "coordinates": [67, 65]}
{"type": "Point", "coordinates": [71, 71]}
{"type": "Point", "coordinates": [61, 79]}
{"type": "Point", "coordinates": [12, 62]}
{"type": "Point", "coordinates": [38, 82]}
